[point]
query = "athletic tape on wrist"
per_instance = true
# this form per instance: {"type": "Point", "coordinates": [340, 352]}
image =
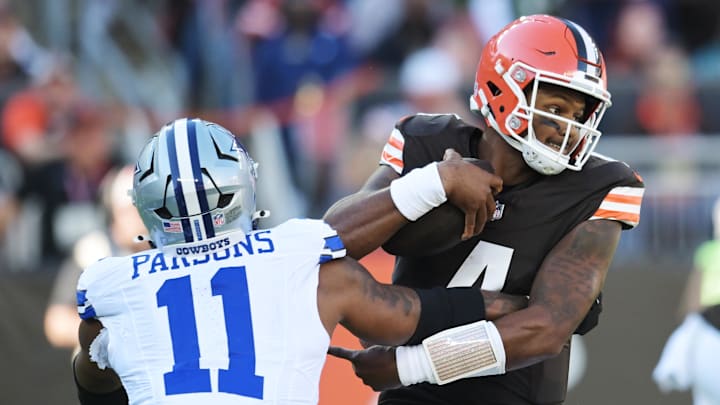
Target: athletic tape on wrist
{"type": "Point", "coordinates": [413, 365]}
{"type": "Point", "coordinates": [417, 192]}
{"type": "Point", "coordinates": [471, 350]}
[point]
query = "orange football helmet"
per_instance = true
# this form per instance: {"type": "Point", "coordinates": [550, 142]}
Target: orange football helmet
{"type": "Point", "coordinates": [529, 51]}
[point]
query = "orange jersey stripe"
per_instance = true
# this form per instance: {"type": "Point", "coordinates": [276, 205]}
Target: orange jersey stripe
{"type": "Point", "coordinates": [625, 199]}
{"type": "Point", "coordinates": [392, 160]}
{"type": "Point", "coordinates": [628, 217]}
{"type": "Point", "coordinates": [397, 143]}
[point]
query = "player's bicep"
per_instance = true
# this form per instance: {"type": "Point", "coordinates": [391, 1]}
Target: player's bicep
{"type": "Point", "coordinates": [373, 311]}
{"type": "Point", "coordinates": [380, 178]}
{"type": "Point", "coordinates": [573, 273]}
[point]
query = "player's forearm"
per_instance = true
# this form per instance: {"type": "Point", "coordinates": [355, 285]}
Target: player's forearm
{"type": "Point", "coordinates": [365, 220]}
{"type": "Point", "coordinates": [499, 304]}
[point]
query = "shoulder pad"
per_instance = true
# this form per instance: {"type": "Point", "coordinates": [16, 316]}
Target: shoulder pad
{"type": "Point", "coordinates": [428, 124]}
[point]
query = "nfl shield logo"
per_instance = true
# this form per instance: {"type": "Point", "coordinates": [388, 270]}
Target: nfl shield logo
{"type": "Point", "coordinates": [219, 219]}
{"type": "Point", "coordinates": [499, 209]}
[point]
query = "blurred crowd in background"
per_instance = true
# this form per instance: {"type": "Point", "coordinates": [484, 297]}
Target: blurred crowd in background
{"type": "Point", "coordinates": [312, 87]}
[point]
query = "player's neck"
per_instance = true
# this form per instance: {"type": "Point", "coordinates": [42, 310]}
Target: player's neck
{"type": "Point", "coordinates": [506, 160]}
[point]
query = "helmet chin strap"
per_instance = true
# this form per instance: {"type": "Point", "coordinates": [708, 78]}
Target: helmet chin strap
{"type": "Point", "coordinates": [540, 163]}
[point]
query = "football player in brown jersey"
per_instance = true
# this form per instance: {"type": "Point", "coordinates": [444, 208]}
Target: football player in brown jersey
{"type": "Point", "coordinates": [548, 230]}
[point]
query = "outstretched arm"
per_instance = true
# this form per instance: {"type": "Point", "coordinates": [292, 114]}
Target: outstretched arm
{"type": "Point", "coordinates": [570, 279]}
{"type": "Point", "coordinates": [391, 314]}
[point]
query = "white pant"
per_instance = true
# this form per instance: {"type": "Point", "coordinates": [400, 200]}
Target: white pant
{"type": "Point", "coordinates": [691, 360]}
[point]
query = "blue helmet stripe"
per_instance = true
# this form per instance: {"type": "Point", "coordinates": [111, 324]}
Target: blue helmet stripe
{"type": "Point", "coordinates": [198, 176]}
{"type": "Point", "coordinates": [177, 187]}
{"type": "Point", "coordinates": [579, 45]}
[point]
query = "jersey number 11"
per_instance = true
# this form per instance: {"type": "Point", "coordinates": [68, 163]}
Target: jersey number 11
{"type": "Point", "coordinates": [186, 376]}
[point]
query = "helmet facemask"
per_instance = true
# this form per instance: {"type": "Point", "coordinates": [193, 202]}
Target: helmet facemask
{"type": "Point", "coordinates": [524, 57]}
{"type": "Point", "coordinates": [579, 137]}
{"type": "Point", "coordinates": [573, 151]}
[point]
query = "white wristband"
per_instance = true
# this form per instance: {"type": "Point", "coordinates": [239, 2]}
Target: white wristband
{"type": "Point", "coordinates": [413, 365]}
{"type": "Point", "coordinates": [417, 192]}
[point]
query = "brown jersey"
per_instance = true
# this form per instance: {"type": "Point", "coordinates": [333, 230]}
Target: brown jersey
{"type": "Point", "coordinates": [530, 219]}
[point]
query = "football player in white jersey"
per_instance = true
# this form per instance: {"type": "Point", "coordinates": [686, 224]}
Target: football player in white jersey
{"type": "Point", "coordinates": [221, 312]}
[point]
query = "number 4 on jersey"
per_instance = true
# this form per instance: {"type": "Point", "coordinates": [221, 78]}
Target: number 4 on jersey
{"type": "Point", "coordinates": [490, 258]}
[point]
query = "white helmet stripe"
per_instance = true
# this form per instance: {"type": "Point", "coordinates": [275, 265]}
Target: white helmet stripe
{"type": "Point", "coordinates": [188, 179]}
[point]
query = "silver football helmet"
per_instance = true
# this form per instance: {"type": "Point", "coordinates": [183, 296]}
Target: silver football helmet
{"type": "Point", "coordinates": [194, 181]}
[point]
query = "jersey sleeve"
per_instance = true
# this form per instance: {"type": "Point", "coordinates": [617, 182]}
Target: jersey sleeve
{"type": "Point", "coordinates": [623, 200]}
{"type": "Point", "coordinates": [97, 289]}
{"type": "Point", "coordinates": [422, 138]}
{"type": "Point", "coordinates": [314, 236]}
{"type": "Point", "coordinates": [621, 204]}
{"type": "Point", "coordinates": [392, 153]}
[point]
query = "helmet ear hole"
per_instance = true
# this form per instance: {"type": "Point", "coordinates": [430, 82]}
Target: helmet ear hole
{"type": "Point", "coordinates": [225, 200]}
{"type": "Point", "coordinates": [494, 90]}
{"type": "Point", "coordinates": [163, 213]}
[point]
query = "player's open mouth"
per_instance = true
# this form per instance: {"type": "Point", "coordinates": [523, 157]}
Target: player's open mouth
{"type": "Point", "coordinates": [553, 145]}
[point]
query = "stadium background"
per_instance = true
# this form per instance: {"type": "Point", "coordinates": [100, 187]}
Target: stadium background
{"type": "Point", "coordinates": [316, 118]}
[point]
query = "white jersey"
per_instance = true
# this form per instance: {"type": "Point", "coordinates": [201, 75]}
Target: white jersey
{"type": "Point", "coordinates": [228, 320]}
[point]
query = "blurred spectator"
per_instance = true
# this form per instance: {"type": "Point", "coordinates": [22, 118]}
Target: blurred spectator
{"type": "Point", "coordinates": [667, 101]}
{"type": "Point", "coordinates": [640, 32]}
{"type": "Point", "coordinates": [690, 359]}
{"type": "Point", "coordinates": [697, 26]}
{"type": "Point", "coordinates": [10, 180]}
{"type": "Point", "coordinates": [703, 288]}
{"type": "Point", "coordinates": [214, 51]}
{"type": "Point", "coordinates": [15, 42]}
{"type": "Point", "coordinates": [429, 80]}
{"type": "Point", "coordinates": [414, 28]}
{"type": "Point", "coordinates": [34, 119]}
{"type": "Point", "coordinates": [300, 72]}
{"type": "Point", "coordinates": [117, 238]}
{"type": "Point", "coordinates": [67, 187]}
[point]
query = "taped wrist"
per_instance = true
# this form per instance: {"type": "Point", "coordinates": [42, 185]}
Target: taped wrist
{"type": "Point", "coordinates": [413, 365]}
{"type": "Point", "coordinates": [472, 350]}
{"type": "Point", "coordinates": [418, 191]}
{"type": "Point", "coordinates": [442, 308]}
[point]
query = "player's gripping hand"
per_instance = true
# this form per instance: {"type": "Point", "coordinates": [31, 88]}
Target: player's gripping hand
{"type": "Point", "coordinates": [375, 365]}
{"type": "Point", "coordinates": [471, 189]}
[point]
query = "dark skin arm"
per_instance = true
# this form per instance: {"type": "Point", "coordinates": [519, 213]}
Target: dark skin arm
{"type": "Point", "coordinates": [88, 375]}
{"type": "Point", "coordinates": [367, 219]}
{"type": "Point", "coordinates": [565, 287]}
{"type": "Point", "coordinates": [380, 313]}
{"type": "Point", "coordinates": [349, 295]}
